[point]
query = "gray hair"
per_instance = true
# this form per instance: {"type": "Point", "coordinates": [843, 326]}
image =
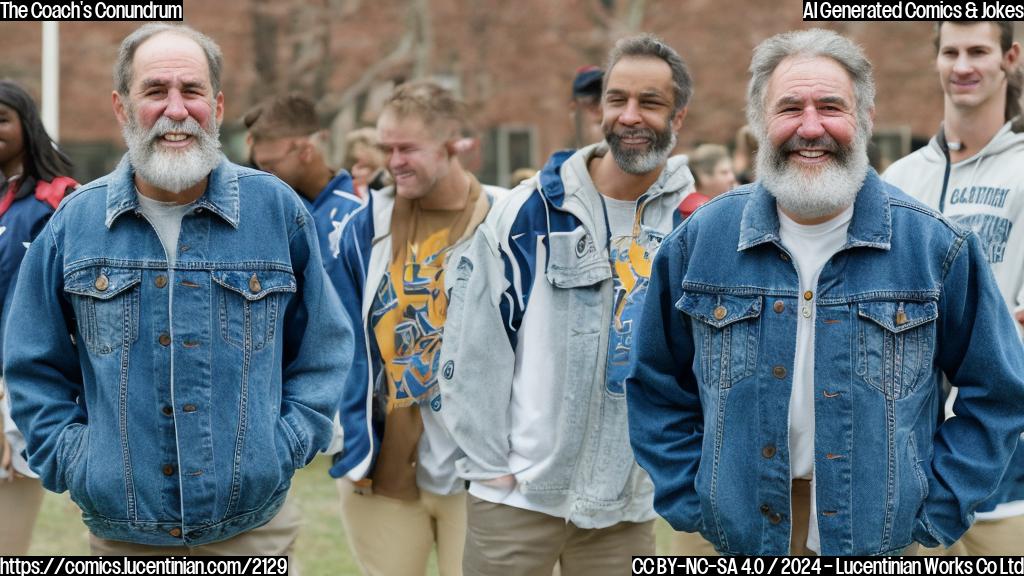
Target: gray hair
{"type": "Point", "coordinates": [126, 54]}
{"type": "Point", "coordinates": [810, 43]}
{"type": "Point", "coordinates": [650, 46]}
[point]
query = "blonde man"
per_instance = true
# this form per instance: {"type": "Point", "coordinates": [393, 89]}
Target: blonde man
{"type": "Point", "coordinates": [400, 494]}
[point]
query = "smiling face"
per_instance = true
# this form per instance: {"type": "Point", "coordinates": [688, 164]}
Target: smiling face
{"type": "Point", "coordinates": [810, 111]}
{"type": "Point", "coordinates": [972, 65]}
{"type": "Point", "coordinates": [639, 123]}
{"type": "Point", "coordinates": [170, 117]}
{"type": "Point", "coordinates": [416, 159]}
{"type": "Point", "coordinates": [813, 156]}
{"type": "Point", "coordinates": [12, 142]}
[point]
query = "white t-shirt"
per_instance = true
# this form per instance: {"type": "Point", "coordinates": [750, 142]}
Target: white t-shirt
{"type": "Point", "coordinates": [166, 219]}
{"type": "Point", "coordinates": [810, 246]}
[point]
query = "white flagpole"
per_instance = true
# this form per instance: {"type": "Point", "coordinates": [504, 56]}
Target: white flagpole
{"type": "Point", "coordinates": [51, 80]}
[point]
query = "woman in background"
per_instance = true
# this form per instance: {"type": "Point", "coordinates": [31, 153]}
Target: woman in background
{"type": "Point", "coordinates": [33, 180]}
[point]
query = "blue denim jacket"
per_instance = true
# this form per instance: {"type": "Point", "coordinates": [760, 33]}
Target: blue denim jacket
{"type": "Point", "coordinates": [909, 296]}
{"type": "Point", "coordinates": [175, 405]}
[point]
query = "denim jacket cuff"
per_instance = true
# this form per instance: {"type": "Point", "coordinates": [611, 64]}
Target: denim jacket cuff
{"type": "Point", "coordinates": [923, 535]}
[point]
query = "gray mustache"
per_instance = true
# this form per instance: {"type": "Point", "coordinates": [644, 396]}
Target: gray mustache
{"type": "Point", "coordinates": [826, 143]}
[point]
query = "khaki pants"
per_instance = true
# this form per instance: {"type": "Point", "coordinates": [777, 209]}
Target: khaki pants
{"type": "Point", "coordinates": [1003, 537]}
{"type": "Point", "coordinates": [690, 544]}
{"type": "Point", "coordinates": [391, 537]}
{"type": "Point", "coordinates": [275, 538]}
{"type": "Point", "coordinates": [20, 500]}
{"type": "Point", "coordinates": [506, 541]}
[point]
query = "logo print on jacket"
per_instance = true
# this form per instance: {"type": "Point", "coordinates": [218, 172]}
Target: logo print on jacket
{"type": "Point", "coordinates": [408, 320]}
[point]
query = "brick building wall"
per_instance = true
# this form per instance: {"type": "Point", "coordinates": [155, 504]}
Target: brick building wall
{"type": "Point", "coordinates": [513, 62]}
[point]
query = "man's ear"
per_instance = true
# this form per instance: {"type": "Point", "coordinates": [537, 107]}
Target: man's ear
{"type": "Point", "coordinates": [307, 149]}
{"type": "Point", "coordinates": [677, 119]}
{"type": "Point", "coordinates": [1011, 58]}
{"type": "Point", "coordinates": [219, 107]}
{"type": "Point", "coordinates": [119, 109]}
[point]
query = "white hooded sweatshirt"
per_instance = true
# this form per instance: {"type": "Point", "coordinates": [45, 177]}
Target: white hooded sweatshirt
{"type": "Point", "coordinates": [984, 193]}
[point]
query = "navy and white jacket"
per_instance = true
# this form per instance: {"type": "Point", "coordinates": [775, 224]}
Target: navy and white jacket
{"type": "Point", "coordinates": [329, 209]}
{"type": "Point", "coordinates": [526, 351]}
{"type": "Point", "coordinates": [24, 210]}
{"type": "Point", "coordinates": [362, 254]}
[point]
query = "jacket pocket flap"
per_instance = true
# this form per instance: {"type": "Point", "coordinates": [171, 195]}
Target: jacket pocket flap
{"type": "Point", "coordinates": [898, 316]}
{"type": "Point", "coordinates": [719, 310]}
{"type": "Point", "coordinates": [255, 285]}
{"type": "Point", "coordinates": [101, 282]}
{"type": "Point", "coordinates": [575, 261]}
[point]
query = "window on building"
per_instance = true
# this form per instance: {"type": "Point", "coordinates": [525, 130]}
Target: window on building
{"type": "Point", "coordinates": [889, 145]}
{"type": "Point", "coordinates": [507, 148]}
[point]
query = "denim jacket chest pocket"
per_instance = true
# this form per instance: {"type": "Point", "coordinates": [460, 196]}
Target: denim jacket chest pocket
{"type": "Point", "coordinates": [894, 345]}
{"type": "Point", "coordinates": [106, 304]}
{"type": "Point", "coordinates": [726, 329]}
{"type": "Point", "coordinates": [576, 270]}
{"type": "Point", "coordinates": [248, 304]}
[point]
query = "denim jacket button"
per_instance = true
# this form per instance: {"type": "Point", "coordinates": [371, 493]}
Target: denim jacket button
{"type": "Point", "coordinates": [901, 318]}
{"type": "Point", "coordinates": [779, 306]}
{"type": "Point", "coordinates": [768, 451]}
{"type": "Point", "coordinates": [160, 281]}
{"type": "Point", "coordinates": [779, 372]}
{"type": "Point", "coordinates": [168, 470]}
{"type": "Point", "coordinates": [102, 283]}
{"type": "Point", "coordinates": [808, 295]}
{"type": "Point", "coordinates": [775, 518]}
{"type": "Point", "coordinates": [188, 408]}
{"type": "Point", "coordinates": [175, 532]}
{"type": "Point", "coordinates": [165, 339]}
{"type": "Point", "coordinates": [765, 509]}
{"type": "Point", "coordinates": [254, 284]}
{"type": "Point", "coordinates": [720, 312]}
{"type": "Point", "coordinates": [167, 411]}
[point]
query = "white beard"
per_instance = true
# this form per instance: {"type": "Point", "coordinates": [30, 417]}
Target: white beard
{"type": "Point", "coordinates": [172, 170]}
{"type": "Point", "coordinates": [817, 192]}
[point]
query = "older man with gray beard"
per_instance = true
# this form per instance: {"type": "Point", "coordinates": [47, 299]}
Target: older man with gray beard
{"type": "Point", "coordinates": [787, 378]}
{"type": "Point", "coordinates": [174, 349]}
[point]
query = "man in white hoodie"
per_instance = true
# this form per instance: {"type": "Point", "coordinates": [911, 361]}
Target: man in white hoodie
{"type": "Point", "coordinates": [970, 171]}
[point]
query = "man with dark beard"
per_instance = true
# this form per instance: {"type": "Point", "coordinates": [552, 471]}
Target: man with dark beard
{"type": "Point", "coordinates": [787, 372]}
{"type": "Point", "coordinates": [174, 349]}
{"type": "Point", "coordinates": [541, 320]}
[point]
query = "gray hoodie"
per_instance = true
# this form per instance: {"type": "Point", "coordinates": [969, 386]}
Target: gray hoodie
{"type": "Point", "coordinates": [984, 193]}
{"type": "Point", "coordinates": [523, 381]}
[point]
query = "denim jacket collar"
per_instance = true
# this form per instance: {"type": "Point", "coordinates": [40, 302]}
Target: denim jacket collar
{"type": "Point", "coordinates": [220, 197]}
{"type": "Point", "coordinates": [870, 226]}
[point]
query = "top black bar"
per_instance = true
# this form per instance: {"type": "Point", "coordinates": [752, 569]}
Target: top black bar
{"type": "Point", "coordinates": [96, 10]}
{"type": "Point", "coordinates": [910, 10]}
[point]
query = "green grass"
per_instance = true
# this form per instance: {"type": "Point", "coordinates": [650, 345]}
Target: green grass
{"type": "Point", "coordinates": [322, 549]}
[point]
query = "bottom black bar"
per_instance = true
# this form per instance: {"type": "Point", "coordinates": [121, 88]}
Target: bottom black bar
{"type": "Point", "coordinates": [841, 566]}
{"type": "Point", "coordinates": [155, 565]}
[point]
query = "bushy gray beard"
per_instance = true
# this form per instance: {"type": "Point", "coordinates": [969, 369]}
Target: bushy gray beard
{"type": "Point", "coordinates": [632, 161]}
{"type": "Point", "coordinates": [169, 169]}
{"type": "Point", "coordinates": [817, 191]}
